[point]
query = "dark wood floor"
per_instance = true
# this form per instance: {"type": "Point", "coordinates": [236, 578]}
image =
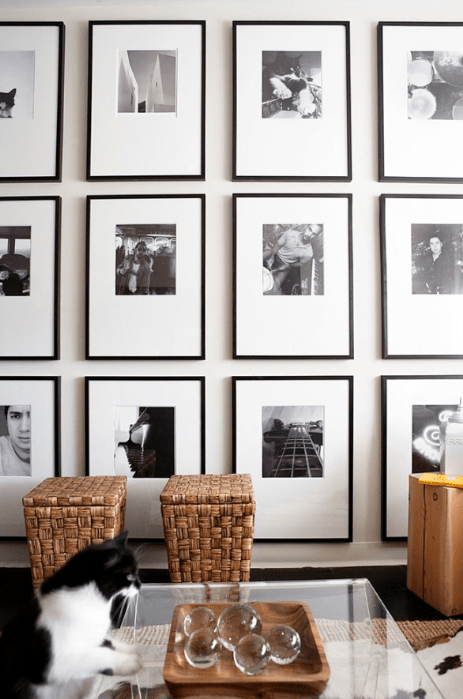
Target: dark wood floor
{"type": "Point", "coordinates": [390, 582]}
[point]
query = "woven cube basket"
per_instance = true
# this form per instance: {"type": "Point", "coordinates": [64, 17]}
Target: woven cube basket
{"type": "Point", "coordinates": [208, 525]}
{"type": "Point", "coordinates": [65, 515]}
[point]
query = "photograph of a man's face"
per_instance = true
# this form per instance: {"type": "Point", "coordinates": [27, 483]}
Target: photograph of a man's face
{"type": "Point", "coordinates": [15, 440]}
{"type": "Point", "coordinates": [144, 441]}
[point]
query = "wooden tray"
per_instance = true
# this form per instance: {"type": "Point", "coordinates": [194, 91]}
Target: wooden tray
{"type": "Point", "coordinates": [307, 675]}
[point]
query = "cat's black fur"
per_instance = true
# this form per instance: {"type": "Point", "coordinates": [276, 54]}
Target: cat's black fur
{"type": "Point", "coordinates": [7, 103]}
{"type": "Point", "coordinates": [61, 638]}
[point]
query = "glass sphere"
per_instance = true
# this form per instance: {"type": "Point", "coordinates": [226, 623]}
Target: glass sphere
{"type": "Point", "coordinates": [237, 621]}
{"type": "Point", "coordinates": [285, 644]}
{"type": "Point", "coordinates": [199, 618]}
{"type": "Point", "coordinates": [251, 654]}
{"type": "Point", "coordinates": [202, 648]}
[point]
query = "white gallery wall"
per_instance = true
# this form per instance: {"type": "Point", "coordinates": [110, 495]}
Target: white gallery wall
{"type": "Point", "coordinates": [366, 367]}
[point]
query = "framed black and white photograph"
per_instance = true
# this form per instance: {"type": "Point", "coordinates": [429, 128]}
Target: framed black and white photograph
{"type": "Point", "coordinates": [420, 82]}
{"type": "Point", "coordinates": [146, 101]}
{"type": "Point", "coordinates": [294, 436]}
{"type": "Point", "coordinates": [31, 101]}
{"type": "Point", "coordinates": [291, 110]}
{"type": "Point", "coordinates": [414, 414]}
{"type": "Point", "coordinates": [292, 278]}
{"type": "Point", "coordinates": [147, 429]}
{"type": "Point", "coordinates": [29, 277]}
{"type": "Point", "coordinates": [29, 443]}
{"type": "Point", "coordinates": [422, 275]}
{"type": "Point", "coordinates": [145, 277]}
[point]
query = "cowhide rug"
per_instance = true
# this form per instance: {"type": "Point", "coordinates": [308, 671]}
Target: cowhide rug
{"type": "Point", "coordinates": [444, 663]}
{"type": "Point", "coordinates": [438, 649]}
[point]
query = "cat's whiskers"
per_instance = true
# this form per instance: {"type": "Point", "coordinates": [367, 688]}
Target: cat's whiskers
{"type": "Point", "coordinates": [135, 617]}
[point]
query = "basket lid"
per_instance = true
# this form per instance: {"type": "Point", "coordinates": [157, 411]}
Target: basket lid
{"type": "Point", "coordinates": [91, 490]}
{"type": "Point", "coordinates": [208, 488]}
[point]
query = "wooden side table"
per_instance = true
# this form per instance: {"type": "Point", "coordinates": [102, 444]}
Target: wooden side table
{"type": "Point", "coordinates": [435, 545]}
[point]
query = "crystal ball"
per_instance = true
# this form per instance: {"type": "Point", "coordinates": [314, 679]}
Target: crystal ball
{"type": "Point", "coordinates": [285, 644]}
{"type": "Point", "coordinates": [202, 648]}
{"type": "Point", "coordinates": [251, 654]}
{"type": "Point", "coordinates": [199, 618]}
{"type": "Point", "coordinates": [237, 621]}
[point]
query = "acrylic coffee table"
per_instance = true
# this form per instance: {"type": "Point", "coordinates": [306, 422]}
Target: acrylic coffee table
{"type": "Point", "coordinates": [368, 656]}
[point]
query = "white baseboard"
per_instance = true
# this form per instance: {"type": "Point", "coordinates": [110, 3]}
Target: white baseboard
{"type": "Point", "coordinates": [15, 554]}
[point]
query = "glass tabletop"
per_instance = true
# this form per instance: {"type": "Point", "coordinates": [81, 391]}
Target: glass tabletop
{"type": "Point", "coordinates": [367, 654]}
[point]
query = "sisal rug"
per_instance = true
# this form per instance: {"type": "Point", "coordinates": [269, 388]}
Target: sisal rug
{"type": "Point", "coordinates": [425, 634]}
{"type": "Point", "coordinates": [419, 634]}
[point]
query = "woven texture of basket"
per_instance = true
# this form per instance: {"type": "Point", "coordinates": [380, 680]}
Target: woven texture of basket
{"type": "Point", "coordinates": [208, 525]}
{"type": "Point", "coordinates": [65, 515]}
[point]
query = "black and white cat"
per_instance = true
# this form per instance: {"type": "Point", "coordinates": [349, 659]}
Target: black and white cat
{"type": "Point", "coordinates": [6, 103]}
{"type": "Point", "coordinates": [56, 646]}
{"type": "Point", "coordinates": [285, 79]}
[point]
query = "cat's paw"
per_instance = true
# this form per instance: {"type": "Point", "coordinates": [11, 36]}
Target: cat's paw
{"type": "Point", "coordinates": [128, 664]}
{"type": "Point", "coordinates": [306, 110]}
{"type": "Point", "coordinates": [282, 92]}
{"type": "Point", "coordinates": [306, 104]}
{"type": "Point", "coordinates": [122, 647]}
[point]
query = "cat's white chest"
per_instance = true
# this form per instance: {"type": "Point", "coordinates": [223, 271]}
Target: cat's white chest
{"type": "Point", "coordinates": [77, 620]}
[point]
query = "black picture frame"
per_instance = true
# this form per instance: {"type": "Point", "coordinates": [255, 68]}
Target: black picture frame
{"type": "Point", "coordinates": [415, 229]}
{"type": "Point", "coordinates": [38, 403]}
{"type": "Point", "coordinates": [171, 228]}
{"type": "Point", "coordinates": [272, 415]}
{"type": "Point", "coordinates": [175, 406]}
{"type": "Point", "coordinates": [317, 118]}
{"type": "Point", "coordinates": [413, 410]}
{"type": "Point", "coordinates": [119, 52]}
{"type": "Point", "coordinates": [32, 56]}
{"type": "Point", "coordinates": [30, 243]}
{"type": "Point", "coordinates": [418, 92]}
{"type": "Point", "coordinates": [269, 291]}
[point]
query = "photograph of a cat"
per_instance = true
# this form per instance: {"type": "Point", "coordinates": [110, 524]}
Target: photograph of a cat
{"type": "Point", "coordinates": [60, 641]}
{"type": "Point", "coordinates": [7, 104]}
{"type": "Point", "coordinates": [286, 77]}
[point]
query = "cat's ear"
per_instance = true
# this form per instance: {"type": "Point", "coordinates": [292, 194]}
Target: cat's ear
{"type": "Point", "coordinates": [12, 92]}
{"type": "Point", "coordinates": [119, 541]}
{"type": "Point", "coordinates": [112, 549]}
{"type": "Point", "coordinates": [122, 538]}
